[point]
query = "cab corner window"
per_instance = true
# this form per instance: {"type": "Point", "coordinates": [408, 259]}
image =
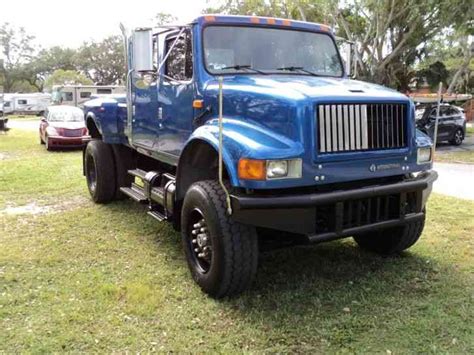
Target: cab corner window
{"type": "Point", "coordinates": [179, 64]}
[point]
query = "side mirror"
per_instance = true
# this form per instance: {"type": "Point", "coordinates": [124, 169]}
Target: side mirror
{"type": "Point", "coordinates": [142, 44]}
{"type": "Point", "coordinates": [346, 49]}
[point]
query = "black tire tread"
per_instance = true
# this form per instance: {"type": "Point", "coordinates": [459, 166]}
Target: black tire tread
{"type": "Point", "coordinates": [240, 245]}
{"type": "Point", "coordinates": [103, 155]}
{"type": "Point", "coordinates": [393, 240]}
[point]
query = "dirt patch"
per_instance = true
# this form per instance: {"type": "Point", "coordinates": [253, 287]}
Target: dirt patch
{"type": "Point", "coordinates": [36, 208]}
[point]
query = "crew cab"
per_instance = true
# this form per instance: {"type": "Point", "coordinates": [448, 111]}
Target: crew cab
{"type": "Point", "coordinates": [239, 128]}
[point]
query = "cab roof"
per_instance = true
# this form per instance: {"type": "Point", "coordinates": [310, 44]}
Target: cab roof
{"type": "Point", "coordinates": [262, 21]}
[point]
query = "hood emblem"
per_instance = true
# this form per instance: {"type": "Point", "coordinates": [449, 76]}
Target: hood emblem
{"type": "Point", "coordinates": [373, 168]}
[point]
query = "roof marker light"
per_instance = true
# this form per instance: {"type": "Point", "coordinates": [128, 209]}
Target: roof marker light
{"type": "Point", "coordinates": [210, 18]}
{"type": "Point", "coordinates": [286, 22]}
{"type": "Point", "coordinates": [254, 19]}
{"type": "Point", "coordinates": [271, 21]}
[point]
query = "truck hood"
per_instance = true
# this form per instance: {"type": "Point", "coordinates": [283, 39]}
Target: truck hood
{"type": "Point", "coordinates": [284, 104]}
{"type": "Point", "coordinates": [304, 87]}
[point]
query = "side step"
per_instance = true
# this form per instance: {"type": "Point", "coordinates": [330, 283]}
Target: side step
{"type": "Point", "coordinates": [135, 192]}
{"type": "Point", "coordinates": [157, 215]}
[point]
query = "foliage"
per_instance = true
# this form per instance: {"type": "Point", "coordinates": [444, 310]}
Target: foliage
{"type": "Point", "coordinates": [67, 77]}
{"type": "Point", "coordinates": [102, 62]}
{"type": "Point", "coordinates": [16, 49]}
{"type": "Point", "coordinates": [433, 75]}
{"type": "Point", "coordinates": [391, 35]}
{"type": "Point", "coordinates": [163, 18]}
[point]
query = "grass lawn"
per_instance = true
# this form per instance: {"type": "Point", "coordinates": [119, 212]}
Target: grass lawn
{"type": "Point", "coordinates": [76, 277]}
{"type": "Point", "coordinates": [454, 157]}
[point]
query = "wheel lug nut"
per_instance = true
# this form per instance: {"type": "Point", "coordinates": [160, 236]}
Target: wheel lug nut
{"type": "Point", "coordinates": [204, 229]}
{"type": "Point", "coordinates": [201, 255]}
{"type": "Point", "coordinates": [194, 241]}
{"type": "Point", "coordinates": [194, 232]}
{"type": "Point", "coordinates": [196, 250]}
{"type": "Point", "coordinates": [197, 225]}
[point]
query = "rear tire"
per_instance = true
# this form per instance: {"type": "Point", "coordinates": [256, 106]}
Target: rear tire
{"type": "Point", "coordinates": [392, 240]}
{"type": "Point", "coordinates": [229, 264]}
{"type": "Point", "coordinates": [100, 171]}
{"type": "Point", "coordinates": [458, 137]}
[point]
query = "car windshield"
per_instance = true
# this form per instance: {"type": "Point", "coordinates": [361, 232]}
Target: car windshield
{"type": "Point", "coordinates": [232, 49]}
{"type": "Point", "coordinates": [66, 116]}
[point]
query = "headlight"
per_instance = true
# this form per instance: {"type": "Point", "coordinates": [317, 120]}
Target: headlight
{"type": "Point", "coordinates": [277, 169]}
{"type": "Point", "coordinates": [250, 169]}
{"type": "Point", "coordinates": [424, 155]}
{"type": "Point", "coordinates": [52, 131]}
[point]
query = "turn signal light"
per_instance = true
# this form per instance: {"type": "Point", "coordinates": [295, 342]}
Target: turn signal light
{"type": "Point", "coordinates": [250, 169]}
{"type": "Point", "coordinates": [198, 104]}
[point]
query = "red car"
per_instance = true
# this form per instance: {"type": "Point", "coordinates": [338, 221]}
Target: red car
{"type": "Point", "coordinates": [63, 126]}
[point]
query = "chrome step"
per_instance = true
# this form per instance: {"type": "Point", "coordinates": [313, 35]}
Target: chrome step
{"type": "Point", "coordinates": [134, 193]}
{"type": "Point", "coordinates": [157, 215]}
{"type": "Point", "coordinates": [139, 173]}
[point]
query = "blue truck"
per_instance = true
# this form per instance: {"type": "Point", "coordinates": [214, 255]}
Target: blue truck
{"type": "Point", "coordinates": [240, 130]}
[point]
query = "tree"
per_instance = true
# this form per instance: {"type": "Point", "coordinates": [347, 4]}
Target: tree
{"type": "Point", "coordinates": [391, 35]}
{"type": "Point", "coordinates": [67, 77]}
{"type": "Point", "coordinates": [16, 50]}
{"type": "Point", "coordinates": [434, 74]}
{"type": "Point", "coordinates": [102, 62]}
{"type": "Point", "coordinates": [162, 18]}
{"type": "Point", "coordinates": [46, 62]}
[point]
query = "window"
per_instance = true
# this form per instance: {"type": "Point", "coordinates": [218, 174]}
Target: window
{"type": "Point", "coordinates": [104, 91]}
{"type": "Point", "coordinates": [269, 50]}
{"type": "Point", "coordinates": [179, 64]}
{"type": "Point", "coordinates": [22, 102]}
{"type": "Point", "coordinates": [67, 96]}
{"type": "Point", "coordinates": [85, 95]}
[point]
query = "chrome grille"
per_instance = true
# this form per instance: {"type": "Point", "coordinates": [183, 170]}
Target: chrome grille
{"type": "Point", "coordinates": [354, 127]}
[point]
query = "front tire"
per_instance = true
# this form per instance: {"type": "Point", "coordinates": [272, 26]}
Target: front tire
{"type": "Point", "coordinates": [100, 171]}
{"type": "Point", "coordinates": [392, 240]}
{"type": "Point", "coordinates": [222, 254]}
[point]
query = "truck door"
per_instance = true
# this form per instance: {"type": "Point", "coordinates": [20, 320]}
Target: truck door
{"type": "Point", "coordinates": [145, 117]}
{"type": "Point", "coordinates": [175, 94]}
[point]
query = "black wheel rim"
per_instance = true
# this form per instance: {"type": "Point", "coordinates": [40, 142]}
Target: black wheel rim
{"type": "Point", "coordinates": [199, 241]}
{"type": "Point", "coordinates": [91, 174]}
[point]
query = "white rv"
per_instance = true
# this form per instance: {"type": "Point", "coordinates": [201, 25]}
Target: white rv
{"type": "Point", "coordinates": [25, 104]}
{"type": "Point", "coordinates": [76, 95]}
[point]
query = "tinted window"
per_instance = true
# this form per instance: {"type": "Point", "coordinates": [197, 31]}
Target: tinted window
{"type": "Point", "coordinates": [269, 49]}
{"type": "Point", "coordinates": [85, 95]}
{"type": "Point", "coordinates": [179, 64]}
{"type": "Point", "coordinates": [22, 102]}
{"type": "Point", "coordinates": [104, 91]}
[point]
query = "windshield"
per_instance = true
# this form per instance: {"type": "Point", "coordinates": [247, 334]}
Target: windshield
{"type": "Point", "coordinates": [66, 116]}
{"type": "Point", "coordinates": [237, 49]}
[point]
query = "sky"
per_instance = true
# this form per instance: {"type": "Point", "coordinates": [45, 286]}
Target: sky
{"type": "Point", "coordinates": [69, 23]}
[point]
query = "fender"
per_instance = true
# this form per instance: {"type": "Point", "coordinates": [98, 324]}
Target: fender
{"type": "Point", "coordinates": [245, 139]}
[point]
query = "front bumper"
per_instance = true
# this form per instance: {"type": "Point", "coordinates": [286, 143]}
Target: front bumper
{"type": "Point", "coordinates": [341, 213]}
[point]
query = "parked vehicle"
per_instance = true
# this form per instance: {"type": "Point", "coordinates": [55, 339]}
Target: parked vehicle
{"type": "Point", "coordinates": [25, 104]}
{"type": "Point", "coordinates": [451, 122]}
{"type": "Point", "coordinates": [63, 126]}
{"type": "Point", "coordinates": [76, 95]}
{"type": "Point", "coordinates": [238, 129]}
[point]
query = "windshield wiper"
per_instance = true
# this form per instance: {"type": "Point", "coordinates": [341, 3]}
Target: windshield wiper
{"type": "Point", "coordinates": [301, 69]}
{"type": "Point", "coordinates": [244, 67]}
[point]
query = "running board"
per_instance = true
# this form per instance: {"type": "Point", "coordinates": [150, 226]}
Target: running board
{"type": "Point", "coordinates": [157, 215]}
{"type": "Point", "coordinates": [134, 194]}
